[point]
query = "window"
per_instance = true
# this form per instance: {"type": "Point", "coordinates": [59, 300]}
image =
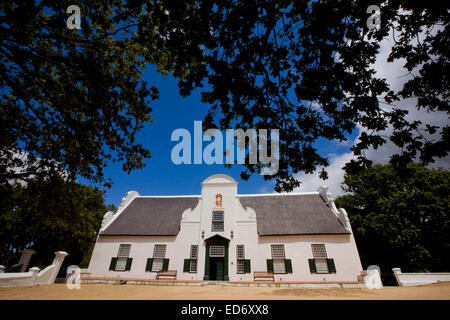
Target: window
{"type": "Point", "coordinates": [240, 259]}
{"type": "Point", "coordinates": [243, 265]}
{"type": "Point", "coordinates": [193, 266]}
{"type": "Point", "coordinates": [216, 251]}
{"type": "Point", "coordinates": [124, 250]}
{"type": "Point", "coordinates": [193, 260]}
{"type": "Point", "coordinates": [159, 253]}
{"type": "Point", "coordinates": [190, 265]}
{"type": "Point", "coordinates": [217, 221]}
{"type": "Point", "coordinates": [240, 252]}
{"type": "Point", "coordinates": [121, 262]}
{"type": "Point", "coordinates": [320, 258]}
{"type": "Point", "coordinates": [122, 257]}
{"type": "Point", "coordinates": [279, 263]}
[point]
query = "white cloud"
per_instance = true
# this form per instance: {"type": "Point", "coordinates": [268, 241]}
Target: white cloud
{"type": "Point", "coordinates": [310, 182]}
{"type": "Point", "coordinates": [396, 76]}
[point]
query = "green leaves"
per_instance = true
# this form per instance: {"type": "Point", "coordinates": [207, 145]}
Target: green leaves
{"type": "Point", "coordinates": [49, 215]}
{"type": "Point", "coordinates": [400, 218]}
{"type": "Point", "coordinates": [75, 99]}
{"type": "Point", "coordinates": [71, 98]}
{"type": "Point", "coordinates": [304, 68]}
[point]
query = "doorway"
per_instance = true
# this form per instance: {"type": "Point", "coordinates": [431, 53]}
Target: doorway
{"type": "Point", "coordinates": [216, 269]}
{"type": "Point", "coordinates": [216, 259]}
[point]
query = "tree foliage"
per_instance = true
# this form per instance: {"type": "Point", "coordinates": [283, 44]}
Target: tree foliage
{"type": "Point", "coordinates": [49, 216]}
{"type": "Point", "coordinates": [74, 99]}
{"type": "Point", "coordinates": [400, 220]}
{"type": "Point", "coordinates": [304, 67]}
{"type": "Point", "coordinates": [70, 100]}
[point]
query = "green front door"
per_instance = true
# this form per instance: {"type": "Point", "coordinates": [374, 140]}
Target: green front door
{"type": "Point", "coordinates": [216, 264]}
{"type": "Point", "coordinates": [219, 269]}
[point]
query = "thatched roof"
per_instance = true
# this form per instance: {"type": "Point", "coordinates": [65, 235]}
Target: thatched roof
{"type": "Point", "coordinates": [275, 214]}
{"type": "Point", "coordinates": [293, 214]}
{"type": "Point", "coordinates": [149, 216]}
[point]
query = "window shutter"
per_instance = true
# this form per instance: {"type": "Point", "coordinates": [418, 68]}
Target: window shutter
{"type": "Point", "coordinates": [288, 263]}
{"type": "Point", "coordinates": [149, 265]}
{"type": "Point", "coordinates": [165, 264]}
{"type": "Point", "coordinates": [247, 268]}
{"type": "Point", "coordinates": [187, 265]}
{"type": "Point", "coordinates": [312, 265]}
{"type": "Point", "coordinates": [112, 265]}
{"type": "Point", "coordinates": [128, 266]}
{"type": "Point", "coordinates": [269, 265]}
{"type": "Point", "coordinates": [331, 266]}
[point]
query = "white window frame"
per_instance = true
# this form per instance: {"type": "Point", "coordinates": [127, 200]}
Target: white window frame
{"type": "Point", "coordinates": [279, 266]}
{"type": "Point", "coordinates": [122, 257]}
{"type": "Point", "coordinates": [278, 251]}
{"type": "Point", "coordinates": [124, 251]}
{"type": "Point", "coordinates": [218, 224]}
{"type": "Point", "coordinates": [216, 254]}
{"type": "Point", "coordinates": [159, 251]}
{"type": "Point", "coordinates": [320, 257]}
{"type": "Point", "coordinates": [240, 255]}
{"type": "Point", "coordinates": [193, 266]}
{"type": "Point", "coordinates": [278, 258]}
{"type": "Point", "coordinates": [157, 264]}
{"type": "Point", "coordinates": [193, 260]}
{"type": "Point", "coordinates": [121, 264]}
{"type": "Point", "coordinates": [194, 252]}
{"type": "Point", "coordinates": [158, 257]}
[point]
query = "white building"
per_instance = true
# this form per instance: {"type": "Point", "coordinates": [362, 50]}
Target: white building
{"type": "Point", "coordinates": [222, 235]}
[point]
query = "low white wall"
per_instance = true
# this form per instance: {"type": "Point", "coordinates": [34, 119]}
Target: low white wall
{"type": "Point", "coordinates": [32, 277]}
{"type": "Point", "coordinates": [48, 275]}
{"type": "Point", "coordinates": [419, 279]}
{"type": "Point", "coordinates": [16, 279]}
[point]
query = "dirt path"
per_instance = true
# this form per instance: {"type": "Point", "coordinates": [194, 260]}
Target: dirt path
{"type": "Point", "coordinates": [139, 292]}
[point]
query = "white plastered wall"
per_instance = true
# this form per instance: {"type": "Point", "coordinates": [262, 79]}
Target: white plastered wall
{"type": "Point", "coordinates": [242, 222]}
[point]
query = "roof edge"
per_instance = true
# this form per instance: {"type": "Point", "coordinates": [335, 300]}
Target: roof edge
{"type": "Point", "coordinates": [279, 194]}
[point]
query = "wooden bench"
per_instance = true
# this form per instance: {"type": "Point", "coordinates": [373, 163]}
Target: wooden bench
{"type": "Point", "coordinates": [263, 275]}
{"type": "Point", "coordinates": [167, 273]}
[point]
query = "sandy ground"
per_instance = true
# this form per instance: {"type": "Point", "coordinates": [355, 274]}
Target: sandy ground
{"type": "Point", "coordinates": [439, 291]}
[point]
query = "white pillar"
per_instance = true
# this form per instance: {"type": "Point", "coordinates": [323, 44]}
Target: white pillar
{"type": "Point", "coordinates": [34, 271]}
{"type": "Point", "coordinates": [373, 278]}
{"type": "Point", "coordinates": [397, 272]}
{"type": "Point", "coordinates": [2, 269]}
{"type": "Point", "coordinates": [25, 258]}
{"type": "Point", "coordinates": [57, 262]}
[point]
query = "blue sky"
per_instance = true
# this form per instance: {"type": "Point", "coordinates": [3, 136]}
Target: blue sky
{"type": "Point", "coordinates": [160, 176]}
{"type": "Point", "coordinates": [171, 111]}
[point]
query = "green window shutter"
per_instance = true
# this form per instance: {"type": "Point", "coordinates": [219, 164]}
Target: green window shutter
{"type": "Point", "coordinates": [269, 265]}
{"type": "Point", "coordinates": [149, 265]}
{"type": "Point", "coordinates": [112, 265]}
{"type": "Point", "coordinates": [128, 266]}
{"type": "Point", "coordinates": [187, 265]}
{"type": "Point", "coordinates": [165, 264]}
{"type": "Point", "coordinates": [331, 266]}
{"type": "Point", "coordinates": [288, 264]}
{"type": "Point", "coordinates": [312, 265]}
{"type": "Point", "coordinates": [247, 268]}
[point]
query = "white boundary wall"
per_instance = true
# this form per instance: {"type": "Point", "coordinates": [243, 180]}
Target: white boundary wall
{"type": "Point", "coordinates": [34, 276]}
{"type": "Point", "coordinates": [419, 279]}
